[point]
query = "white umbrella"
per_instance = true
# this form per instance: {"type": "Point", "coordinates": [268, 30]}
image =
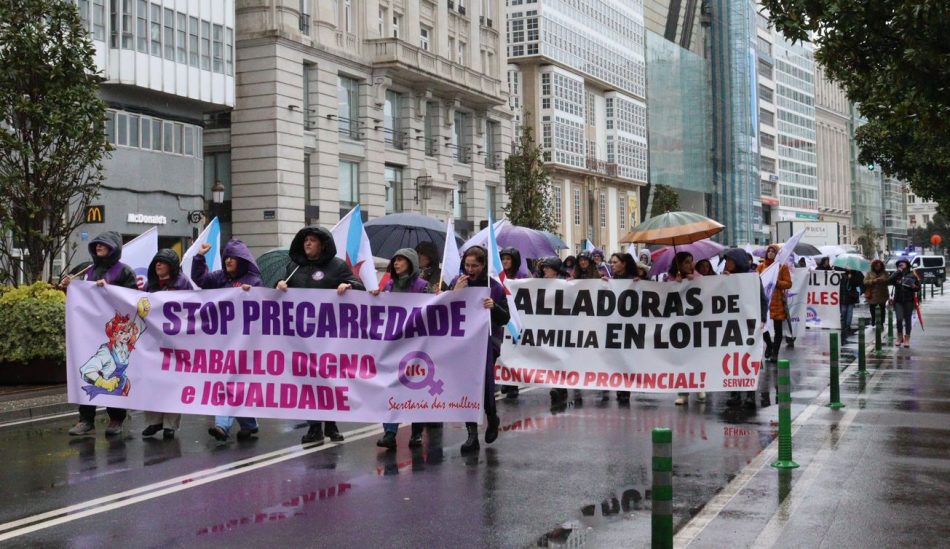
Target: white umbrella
{"type": "Point", "coordinates": [831, 251]}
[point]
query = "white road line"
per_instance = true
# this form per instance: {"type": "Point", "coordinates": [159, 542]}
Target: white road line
{"type": "Point", "coordinates": [63, 515]}
{"type": "Point", "coordinates": [35, 419]}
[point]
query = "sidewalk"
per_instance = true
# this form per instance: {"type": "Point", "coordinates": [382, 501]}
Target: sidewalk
{"type": "Point", "coordinates": [873, 474]}
{"type": "Point", "coordinates": [18, 403]}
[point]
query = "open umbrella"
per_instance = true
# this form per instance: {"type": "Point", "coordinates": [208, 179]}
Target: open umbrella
{"type": "Point", "coordinates": [555, 241]}
{"type": "Point", "coordinates": [530, 242]}
{"type": "Point", "coordinates": [852, 262]}
{"type": "Point", "coordinates": [394, 232]}
{"type": "Point", "coordinates": [701, 249]}
{"type": "Point", "coordinates": [831, 250]}
{"type": "Point", "coordinates": [674, 228]}
{"type": "Point", "coordinates": [801, 249]}
{"type": "Point", "coordinates": [273, 266]}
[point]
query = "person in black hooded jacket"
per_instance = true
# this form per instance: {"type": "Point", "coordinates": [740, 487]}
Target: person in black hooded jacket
{"type": "Point", "coordinates": [314, 265]}
{"type": "Point", "coordinates": [105, 249]}
{"type": "Point", "coordinates": [511, 263]}
{"type": "Point", "coordinates": [739, 261]}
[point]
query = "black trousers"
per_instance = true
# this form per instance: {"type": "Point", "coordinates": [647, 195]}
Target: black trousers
{"type": "Point", "coordinates": [87, 413]}
{"type": "Point", "coordinates": [773, 341]}
{"type": "Point", "coordinates": [877, 314]}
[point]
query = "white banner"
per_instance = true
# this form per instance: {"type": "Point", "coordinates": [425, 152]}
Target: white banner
{"type": "Point", "coordinates": [663, 337]}
{"type": "Point", "coordinates": [796, 298]}
{"type": "Point", "coordinates": [823, 309]}
{"type": "Point", "coordinates": [300, 354]}
{"type": "Point", "coordinates": [138, 254]}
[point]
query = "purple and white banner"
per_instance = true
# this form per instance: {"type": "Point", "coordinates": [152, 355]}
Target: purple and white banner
{"type": "Point", "coordinates": [300, 354]}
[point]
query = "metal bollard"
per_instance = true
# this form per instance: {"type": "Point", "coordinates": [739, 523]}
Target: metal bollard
{"type": "Point", "coordinates": [862, 352]}
{"type": "Point", "coordinates": [784, 399]}
{"type": "Point", "coordinates": [835, 389]}
{"type": "Point", "coordinates": [662, 495]}
{"type": "Point", "coordinates": [890, 326]}
{"type": "Point", "coordinates": [931, 291]}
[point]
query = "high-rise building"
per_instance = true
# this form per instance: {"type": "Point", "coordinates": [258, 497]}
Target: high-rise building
{"type": "Point", "coordinates": [768, 127]}
{"type": "Point", "coordinates": [167, 64]}
{"type": "Point", "coordinates": [894, 206]}
{"type": "Point", "coordinates": [577, 77]}
{"type": "Point", "coordinates": [867, 217]}
{"type": "Point", "coordinates": [396, 106]}
{"type": "Point", "coordinates": [833, 142]}
{"type": "Point", "coordinates": [677, 22]}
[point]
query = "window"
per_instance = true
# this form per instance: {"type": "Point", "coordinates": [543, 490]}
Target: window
{"type": "Point", "coordinates": [913, 220]}
{"type": "Point", "coordinates": [141, 27]}
{"type": "Point", "coordinates": [156, 135]}
{"type": "Point", "coordinates": [218, 48]}
{"type": "Point", "coordinates": [193, 41]}
{"type": "Point", "coordinates": [462, 53]}
{"type": "Point", "coordinates": [348, 15]}
{"type": "Point", "coordinates": [424, 33]}
{"type": "Point", "coordinates": [767, 141]}
{"type": "Point", "coordinates": [206, 45]}
{"type": "Point", "coordinates": [577, 206]}
{"type": "Point", "coordinates": [383, 14]}
{"type": "Point", "coordinates": [349, 185]}
{"type": "Point", "coordinates": [392, 110]}
{"type": "Point", "coordinates": [394, 190]}
{"type": "Point", "coordinates": [348, 110]}
{"type": "Point", "coordinates": [99, 20]}
{"type": "Point", "coordinates": [229, 51]}
{"type": "Point", "coordinates": [307, 198]}
{"type": "Point", "coordinates": [491, 149]}
{"type": "Point", "coordinates": [309, 95]}
{"type": "Point", "coordinates": [181, 38]}
{"type": "Point", "coordinates": [114, 24]}
{"type": "Point", "coordinates": [133, 130]}
{"type": "Point", "coordinates": [128, 25]}
{"type": "Point", "coordinates": [463, 133]}
{"type": "Point", "coordinates": [169, 34]}
{"type": "Point", "coordinates": [767, 165]}
{"type": "Point", "coordinates": [491, 201]}
{"type": "Point", "coordinates": [766, 117]}
{"type": "Point", "coordinates": [622, 211]}
{"type": "Point", "coordinates": [156, 32]}
{"type": "Point", "coordinates": [190, 140]}
{"type": "Point", "coordinates": [179, 130]}
{"type": "Point", "coordinates": [765, 69]}
{"type": "Point", "coordinates": [603, 210]}
{"type": "Point", "coordinates": [110, 126]}
{"type": "Point", "coordinates": [765, 94]}
{"type": "Point", "coordinates": [304, 16]}
{"type": "Point", "coordinates": [84, 15]}
{"type": "Point", "coordinates": [146, 133]}
{"type": "Point", "coordinates": [122, 129]}
{"type": "Point", "coordinates": [397, 24]}
{"type": "Point", "coordinates": [926, 219]}
{"type": "Point", "coordinates": [558, 199]}
{"type": "Point", "coordinates": [429, 127]}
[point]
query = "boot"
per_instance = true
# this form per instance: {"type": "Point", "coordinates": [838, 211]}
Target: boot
{"type": "Point", "coordinates": [749, 403]}
{"type": "Point", "coordinates": [168, 434]}
{"type": "Point", "coordinates": [491, 433]}
{"type": "Point", "coordinates": [512, 392]}
{"type": "Point", "coordinates": [333, 433]}
{"type": "Point", "coordinates": [388, 441]}
{"type": "Point", "coordinates": [623, 397]}
{"type": "Point", "coordinates": [604, 396]}
{"type": "Point", "coordinates": [218, 433]}
{"type": "Point", "coordinates": [471, 443]}
{"type": "Point", "coordinates": [765, 400]}
{"type": "Point", "coordinates": [415, 438]}
{"type": "Point", "coordinates": [907, 341]}
{"type": "Point", "coordinates": [558, 395]}
{"type": "Point", "coordinates": [314, 434]}
{"type": "Point", "coordinates": [734, 400]}
{"type": "Point", "coordinates": [899, 340]}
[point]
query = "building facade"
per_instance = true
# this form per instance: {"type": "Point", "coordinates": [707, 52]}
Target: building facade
{"type": "Point", "coordinates": [766, 117]}
{"type": "Point", "coordinates": [167, 64]}
{"type": "Point", "coordinates": [867, 185]}
{"type": "Point", "coordinates": [920, 212]}
{"type": "Point", "coordinates": [894, 207]}
{"type": "Point", "coordinates": [395, 105]}
{"type": "Point", "coordinates": [833, 142]}
{"type": "Point", "coordinates": [577, 77]}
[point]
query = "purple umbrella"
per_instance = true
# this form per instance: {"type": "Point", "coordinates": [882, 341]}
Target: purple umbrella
{"type": "Point", "coordinates": [529, 242]}
{"type": "Point", "coordinates": [701, 249]}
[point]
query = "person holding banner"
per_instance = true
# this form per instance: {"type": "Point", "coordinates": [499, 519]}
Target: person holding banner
{"type": "Point", "coordinates": [105, 249]}
{"type": "Point", "coordinates": [681, 270]}
{"type": "Point", "coordinates": [778, 308]}
{"type": "Point", "coordinates": [597, 257]}
{"type": "Point", "coordinates": [164, 274]}
{"type": "Point", "coordinates": [511, 263]}
{"type": "Point", "coordinates": [240, 271]}
{"type": "Point", "coordinates": [623, 267]}
{"type": "Point", "coordinates": [704, 267]}
{"type": "Point", "coordinates": [738, 261]}
{"type": "Point", "coordinates": [429, 266]}
{"type": "Point", "coordinates": [852, 285]}
{"type": "Point", "coordinates": [906, 284]}
{"type": "Point", "coordinates": [550, 267]}
{"type": "Point", "coordinates": [875, 291]}
{"type": "Point", "coordinates": [585, 268]}
{"type": "Point", "coordinates": [475, 274]}
{"type": "Point", "coordinates": [314, 264]}
{"type": "Point", "coordinates": [403, 277]}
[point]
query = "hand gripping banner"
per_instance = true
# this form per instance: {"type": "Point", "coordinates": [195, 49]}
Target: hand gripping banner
{"type": "Point", "coordinates": [644, 336]}
{"type": "Point", "coordinates": [300, 354]}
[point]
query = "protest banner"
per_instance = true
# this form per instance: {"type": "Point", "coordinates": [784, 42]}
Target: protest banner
{"type": "Point", "coordinates": [823, 309]}
{"type": "Point", "coordinates": [661, 337]}
{"type": "Point", "coordinates": [138, 253]}
{"type": "Point", "coordinates": [797, 296]}
{"type": "Point", "coordinates": [300, 354]}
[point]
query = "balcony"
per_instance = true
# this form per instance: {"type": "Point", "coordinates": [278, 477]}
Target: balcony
{"type": "Point", "coordinates": [411, 64]}
{"type": "Point", "coordinates": [601, 166]}
{"type": "Point", "coordinates": [396, 139]}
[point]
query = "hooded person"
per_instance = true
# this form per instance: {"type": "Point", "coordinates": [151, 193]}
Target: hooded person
{"type": "Point", "coordinates": [314, 265]}
{"type": "Point", "coordinates": [851, 286]}
{"type": "Point", "coordinates": [778, 306]}
{"type": "Point", "coordinates": [511, 264]}
{"type": "Point", "coordinates": [164, 274]}
{"type": "Point", "coordinates": [240, 271]}
{"type": "Point", "coordinates": [429, 266]}
{"type": "Point", "coordinates": [875, 290]}
{"type": "Point", "coordinates": [568, 264]}
{"type": "Point", "coordinates": [404, 277]}
{"type": "Point", "coordinates": [550, 267]}
{"type": "Point", "coordinates": [597, 257]}
{"type": "Point", "coordinates": [906, 285]}
{"type": "Point", "coordinates": [240, 268]}
{"type": "Point", "coordinates": [105, 251]}
{"type": "Point", "coordinates": [738, 261]}
{"type": "Point", "coordinates": [474, 271]}
{"type": "Point", "coordinates": [585, 267]}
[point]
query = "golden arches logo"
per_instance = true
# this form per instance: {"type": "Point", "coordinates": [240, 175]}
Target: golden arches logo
{"type": "Point", "coordinates": [95, 214]}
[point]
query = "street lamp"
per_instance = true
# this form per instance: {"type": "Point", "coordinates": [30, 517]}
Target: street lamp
{"type": "Point", "coordinates": [217, 193]}
{"type": "Point", "coordinates": [217, 199]}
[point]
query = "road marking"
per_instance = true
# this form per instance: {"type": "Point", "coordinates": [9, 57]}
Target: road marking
{"type": "Point", "coordinates": [111, 502]}
{"type": "Point", "coordinates": [35, 419]}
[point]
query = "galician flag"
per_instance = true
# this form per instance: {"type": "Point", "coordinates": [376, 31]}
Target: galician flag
{"type": "Point", "coordinates": [588, 246]}
{"type": "Point", "coordinates": [352, 246]}
{"type": "Point", "coordinates": [210, 235]}
{"type": "Point", "coordinates": [496, 272]}
{"type": "Point", "coordinates": [769, 276]}
{"type": "Point", "coordinates": [138, 253]}
{"type": "Point", "coordinates": [451, 258]}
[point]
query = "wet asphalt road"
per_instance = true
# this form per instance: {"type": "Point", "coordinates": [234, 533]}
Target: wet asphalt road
{"type": "Point", "coordinates": [578, 475]}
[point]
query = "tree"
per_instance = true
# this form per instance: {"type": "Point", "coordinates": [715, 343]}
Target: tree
{"type": "Point", "coordinates": [52, 133]}
{"type": "Point", "coordinates": [890, 58]}
{"type": "Point", "coordinates": [665, 199]}
{"type": "Point", "coordinates": [868, 239]}
{"type": "Point", "coordinates": [528, 184]}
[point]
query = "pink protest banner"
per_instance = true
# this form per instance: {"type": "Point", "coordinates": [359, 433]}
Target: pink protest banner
{"type": "Point", "coordinates": [300, 354]}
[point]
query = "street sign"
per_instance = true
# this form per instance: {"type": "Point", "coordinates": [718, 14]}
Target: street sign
{"type": "Point", "coordinates": [95, 214]}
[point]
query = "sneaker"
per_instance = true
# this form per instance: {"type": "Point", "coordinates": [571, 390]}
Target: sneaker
{"type": "Point", "coordinates": [245, 434]}
{"type": "Point", "coordinates": [701, 396]}
{"type": "Point", "coordinates": [114, 428]}
{"type": "Point", "coordinates": [82, 428]}
{"type": "Point", "coordinates": [151, 430]}
{"type": "Point", "coordinates": [218, 433]}
{"type": "Point", "coordinates": [388, 441]}
{"type": "Point", "coordinates": [680, 400]}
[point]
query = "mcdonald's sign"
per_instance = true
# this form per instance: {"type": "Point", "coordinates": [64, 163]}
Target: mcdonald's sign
{"type": "Point", "coordinates": [95, 214]}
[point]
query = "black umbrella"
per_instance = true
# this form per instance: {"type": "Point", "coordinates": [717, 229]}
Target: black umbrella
{"type": "Point", "coordinates": [393, 232]}
{"type": "Point", "coordinates": [273, 266]}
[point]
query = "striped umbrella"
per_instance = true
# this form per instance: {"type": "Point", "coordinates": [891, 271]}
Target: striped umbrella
{"type": "Point", "coordinates": [673, 228]}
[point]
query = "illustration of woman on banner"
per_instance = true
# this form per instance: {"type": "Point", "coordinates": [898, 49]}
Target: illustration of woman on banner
{"type": "Point", "coordinates": [105, 370]}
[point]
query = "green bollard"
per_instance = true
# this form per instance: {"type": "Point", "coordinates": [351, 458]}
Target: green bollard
{"type": "Point", "coordinates": [784, 399]}
{"type": "Point", "coordinates": [862, 352]}
{"type": "Point", "coordinates": [890, 326]}
{"type": "Point", "coordinates": [835, 389]}
{"type": "Point", "coordinates": [931, 291]}
{"type": "Point", "coordinates": [878, 330]}
{"type": "Point", "coordinates": [662, 495]}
